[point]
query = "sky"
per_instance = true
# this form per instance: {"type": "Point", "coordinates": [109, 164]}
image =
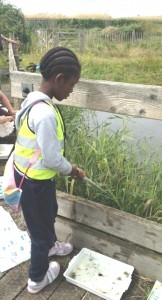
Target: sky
{"type": "Point", "coordinates": [113, 8]}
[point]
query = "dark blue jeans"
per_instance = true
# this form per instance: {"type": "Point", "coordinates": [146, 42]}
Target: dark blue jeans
{"type": "Point", "coordinates": [39, 206]}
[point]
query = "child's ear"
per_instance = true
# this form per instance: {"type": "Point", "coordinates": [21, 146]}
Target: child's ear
{"type": "Point", "coordinates": [59, 77]}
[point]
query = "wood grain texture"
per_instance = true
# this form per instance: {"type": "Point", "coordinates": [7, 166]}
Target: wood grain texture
{"type": "Point", "coordinates": [146, 262]}
{"type": "Point", "coordinates": [116, 97]}
{"type": "Point", "coordinates": [112, 221]}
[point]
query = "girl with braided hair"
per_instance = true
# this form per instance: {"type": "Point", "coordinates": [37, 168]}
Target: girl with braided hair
{"type": "Point", "coordinates": [40, 126]}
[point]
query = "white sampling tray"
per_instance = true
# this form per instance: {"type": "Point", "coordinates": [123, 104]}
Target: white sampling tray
{"type": "Point", "coordinates": [99, 274]}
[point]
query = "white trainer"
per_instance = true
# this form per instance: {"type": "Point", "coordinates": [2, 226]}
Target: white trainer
{"type": "Point", "coordinates": [61, 249]}
{"type": "Point", "coordinates": [51, 275]}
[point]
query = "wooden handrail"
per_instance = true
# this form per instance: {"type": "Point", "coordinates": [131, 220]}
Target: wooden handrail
{"type": "Point", "coordinates": [11, 58]}
{"type": "Point", "coordinates": [137, 100]}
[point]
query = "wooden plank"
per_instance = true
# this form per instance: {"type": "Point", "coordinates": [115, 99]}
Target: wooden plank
{"type": "Point", "coordinates": [47, 292]}
{"type": "Point", "coordinates": [12, 62]}
{"type": "Point", "coordinates": [112, 221]}
{"type": "Point", "coordinates": [89, 296]}
{"type": "Point", "coordinates": [116, 97]}
{"type": "Point", "coordinates": [2, 274]}
{"type": "Point", "coordinates": [67, 291]}
{"type": "Point", "coordinates": [13, 282]}
{"type": "Point", "coordinates": [146, 262]}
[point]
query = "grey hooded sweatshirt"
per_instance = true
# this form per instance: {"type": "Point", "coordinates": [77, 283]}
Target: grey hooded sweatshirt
{"type": "Point", "coordinates": [43, 122]}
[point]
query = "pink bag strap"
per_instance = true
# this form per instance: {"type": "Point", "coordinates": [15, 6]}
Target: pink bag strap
{"type": "Point", "coordinates": [31, 162]}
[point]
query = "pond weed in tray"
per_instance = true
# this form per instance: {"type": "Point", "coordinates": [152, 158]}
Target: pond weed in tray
{"type": "Point", "coordinates": [99, 274]}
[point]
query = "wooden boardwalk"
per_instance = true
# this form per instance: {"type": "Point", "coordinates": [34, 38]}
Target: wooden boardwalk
{"type": "Point", "coordinates": [13, 282]}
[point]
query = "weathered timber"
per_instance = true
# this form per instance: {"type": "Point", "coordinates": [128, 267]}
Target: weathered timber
{"type": "Point", "coordinates": [67, 291]}
{"type": "Point", "coordinates": [118, 234]}
{"type": "Point", "coordinates": [146, 262]}
{"type": "Point", "coordinates": [112, 221]}
{"type": "Point", "coordinates": [11, 58]}
{"type": "Point", "coordinates": [51, 289]}
{"type": "Point", "coordinates": [115, 97]}
{"type": "Point", "coordinates": [13, 282]}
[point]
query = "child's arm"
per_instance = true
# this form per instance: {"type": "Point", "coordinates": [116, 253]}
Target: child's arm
{"type": "Point", "coordinates": [4, 119]}
{"type": "Point", "coordinates": [6, 103]}
{"type": "Point", "coordinates": [8, 40]}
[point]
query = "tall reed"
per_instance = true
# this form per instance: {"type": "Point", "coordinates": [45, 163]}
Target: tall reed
{"type": "Point", "coordinates": [130, 183]}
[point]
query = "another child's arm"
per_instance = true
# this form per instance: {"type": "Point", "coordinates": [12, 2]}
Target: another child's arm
{"type": "Point", "coordinates": [8, 40]}
{"type": "Point", "coordinates": [6, 103]}
{"type": "Point", "coordinates": [4, 119]}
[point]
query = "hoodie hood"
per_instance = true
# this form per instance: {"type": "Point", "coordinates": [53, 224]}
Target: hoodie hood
{"type": "Point", "coordinates": [31, 99]}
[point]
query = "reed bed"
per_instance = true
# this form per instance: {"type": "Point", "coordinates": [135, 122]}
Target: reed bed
{"type": "Point", "coordinates": [129, 183]}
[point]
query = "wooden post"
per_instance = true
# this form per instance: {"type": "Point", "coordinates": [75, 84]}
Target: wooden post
{"type": "Point", "coordinates": [16, 56]}
{"type": "Point", "coordinates": [81, 42]}
{"type": "Point", "coordinates": [133, 36]}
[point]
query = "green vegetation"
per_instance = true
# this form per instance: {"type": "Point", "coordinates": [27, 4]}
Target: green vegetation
{"type": "Point", "coordinates": [117, 62]}
{"type": "Point", "coordinates": [130, 184]}
{"type": "Point", "coordinates": [87, 22]}
{"type": "Point", "coordinates": [105, 57]}
{"type": "Point", "coordinates": [135, 68]}
{"type": "Point", "coordinates": [12, 23]}
{"type": "Point", "coordinates": [108, 158]}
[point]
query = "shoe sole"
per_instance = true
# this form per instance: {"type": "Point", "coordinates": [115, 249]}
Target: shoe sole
{"type": "Point", "coordinates": [36, 292]}
{"type": "Point", "coordinates": [39, 290]}
{"type": "Point", "coordinates": [60, 254]}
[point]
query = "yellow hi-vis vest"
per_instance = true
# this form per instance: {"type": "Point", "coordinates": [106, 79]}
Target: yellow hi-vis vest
{"type": "Point", "coordinates": [26, 145]}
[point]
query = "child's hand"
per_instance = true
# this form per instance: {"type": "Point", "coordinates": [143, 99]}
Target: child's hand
{"type": "Point", "coordinates": [80, 174]}
{"type": "Point", "coordinates": [4, 119]}
{"type": "Point", "coordinates": [77, 173]}
{"type": "Point", "coordinates": [12, 113]}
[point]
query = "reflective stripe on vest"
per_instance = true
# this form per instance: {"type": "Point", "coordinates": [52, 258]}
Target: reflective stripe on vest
{"type": "Point", "coordinates": [26, 145]}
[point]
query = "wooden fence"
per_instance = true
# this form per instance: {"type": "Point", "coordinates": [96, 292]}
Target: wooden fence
{"type": "Point", "coordinates": [80, 40]}
{"type": "Point", "coordinates": [117, 234]}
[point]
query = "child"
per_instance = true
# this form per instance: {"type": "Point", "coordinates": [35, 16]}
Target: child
{"type": "Point", "coordinates": [40, 125]}
{"type": "Point", "coordinates": [6, 116]}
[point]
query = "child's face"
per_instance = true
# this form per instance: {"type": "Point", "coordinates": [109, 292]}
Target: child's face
{"type": "Point", "coordinates": [64, 87]}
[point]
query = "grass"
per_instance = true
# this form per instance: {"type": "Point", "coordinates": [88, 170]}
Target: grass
{"type": "Point", "coordinates": [129, 184]}
{"type": "Point", "coordinates": [4, 78]}
{"type": "Point", "coordinates": [138, 63]}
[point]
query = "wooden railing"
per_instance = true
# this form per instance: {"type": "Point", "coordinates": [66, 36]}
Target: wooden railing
{"type": "Point", "coordinates": [112, 232]}
{"type": "Point", "coordinates": [81, 40]}
{"type": "Point", "coordinates": [116, 97]}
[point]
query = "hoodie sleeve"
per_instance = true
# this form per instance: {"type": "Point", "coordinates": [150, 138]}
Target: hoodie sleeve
{"type": "Point", "coordinates": [43, 122]}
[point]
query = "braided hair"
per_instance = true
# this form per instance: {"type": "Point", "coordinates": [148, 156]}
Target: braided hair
{"type": "Point", "coordinates": [59, 60]}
